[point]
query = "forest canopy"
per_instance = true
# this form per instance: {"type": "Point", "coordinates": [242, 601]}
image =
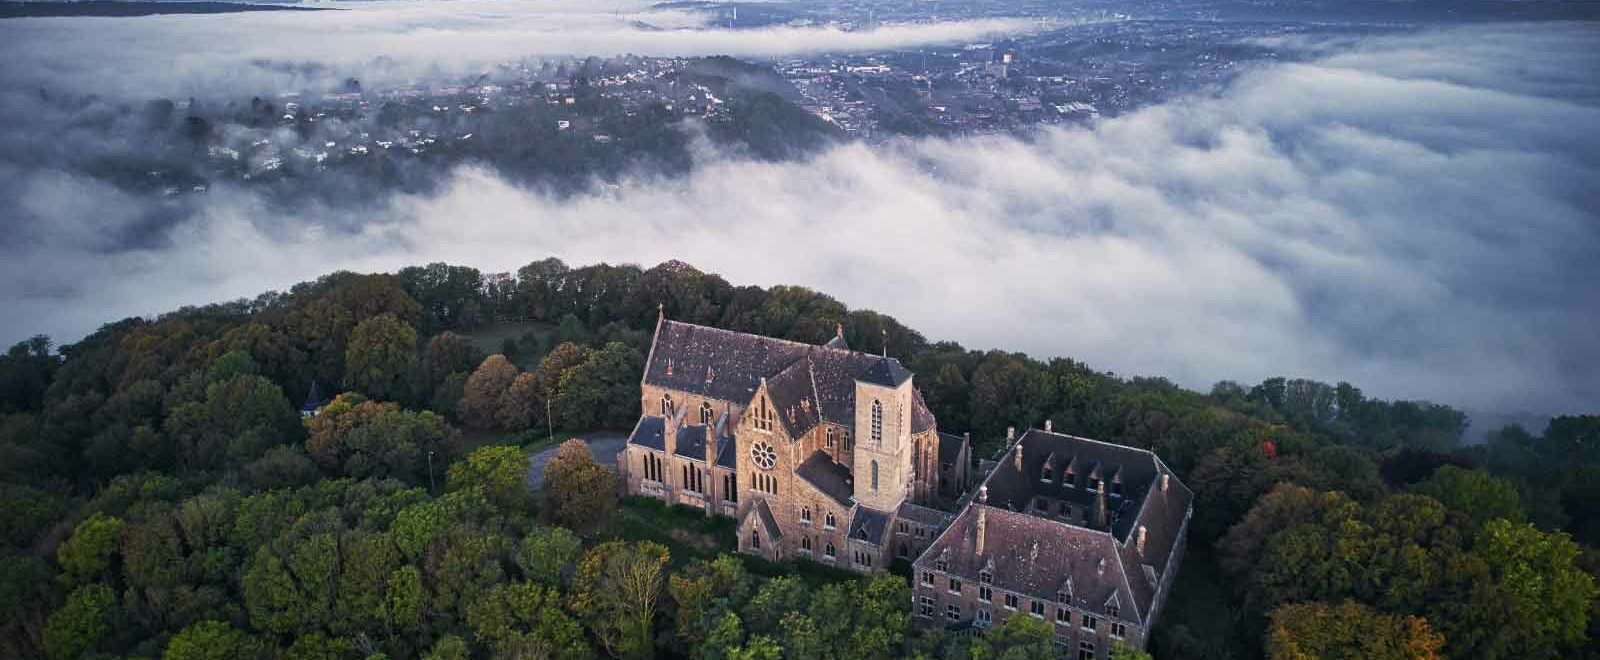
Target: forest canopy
{"type": "Point", "coordinates": [167, 492]}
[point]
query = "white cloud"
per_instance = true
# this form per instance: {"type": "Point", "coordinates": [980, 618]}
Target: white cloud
{"type": "Point", "coordinates": [1361, 218]}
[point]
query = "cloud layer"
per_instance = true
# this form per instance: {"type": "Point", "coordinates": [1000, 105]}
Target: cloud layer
{"type": "Point", "coordinates": [1415, 214]}
{"type": "Point", "coordinates": [398, 41]}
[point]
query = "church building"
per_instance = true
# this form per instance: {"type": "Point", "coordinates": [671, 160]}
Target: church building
{"type": "Point", "coordinates": [817, 450]}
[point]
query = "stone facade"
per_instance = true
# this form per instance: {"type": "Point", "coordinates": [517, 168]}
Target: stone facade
{"type": "Point", "coordinates": [818, 451]}
{"type": "Point", "coordinates": [1084, 534]}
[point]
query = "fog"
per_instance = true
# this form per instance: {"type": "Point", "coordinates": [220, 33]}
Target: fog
{"type": "Point", "coordinates": [1414, 214]}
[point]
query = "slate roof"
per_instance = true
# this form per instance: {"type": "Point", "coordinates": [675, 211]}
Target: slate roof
{"type": "Point", "coordinates": [725, 449]}
{"type": "Point", "coordinates": [838, 342]}
{"type": "Point", "coordinates": [869, 525]}
{"type": "Point", "coordinates": [649, 433]}
{"type": "Point", "coordinates": [691, 443]}
{"type": "Point", "coordinates": [921, 515]}
{"type": "Point", "coordinates": [1135, 468]}
{"type": "Point", "coordinates": [950, 448]}
{"type": "Point", "coordinates": [921, 418]}
{"type": "Point", "coordinates": [828, 477]}
{"type": "Point", "coordinates": [728, 366]}
{"type": "Point", "coordinates": [764, 517]}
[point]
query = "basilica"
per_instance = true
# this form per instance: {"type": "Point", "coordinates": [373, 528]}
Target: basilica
{"type": "Point", "coordinates": [817, 450]}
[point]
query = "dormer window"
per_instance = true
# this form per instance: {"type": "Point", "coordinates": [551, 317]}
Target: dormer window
{"type": "Point", "coordinates": [1047, 475]}
{"type": "Point", "coordinates": [1071, 479]}
{"type": "Point", "coordinates": [1116, 488]}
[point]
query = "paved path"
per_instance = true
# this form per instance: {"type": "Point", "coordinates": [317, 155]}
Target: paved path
{"type": "Point", "coordinates": [603, 444]}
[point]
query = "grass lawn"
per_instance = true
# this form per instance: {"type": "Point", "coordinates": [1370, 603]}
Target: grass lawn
{"type": "Point", "coordinates": [492, 337]}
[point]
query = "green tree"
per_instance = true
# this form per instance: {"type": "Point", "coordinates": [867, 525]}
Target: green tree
{"type": "Point", "coordinates": [501, 471]}
{"type": "Point", "coordinates": [363, 438]}
{"type": "Point", "coordinates": [381, 358]}
{"type": "Point", "coordinates": [213, 640]}
{"type": "Point", "coordinates": [1020, 637]}
{"type": "Point", "coordinates": [546, 553]}
{"type": "Point", "coordinates": [602, 392]}
{"type": "Point", "coordinates": [77, 627]}
{"type": "Point", "coordinates": [616, 590]}
{"type": "Point", "coordinates": [86, 556]}
{"type": "Point", "coordinates": [1476, 493]}
{"type": "Point", "coordinates": [525, 620]}
{"type": "Point", "coordinates": [1541, 589]}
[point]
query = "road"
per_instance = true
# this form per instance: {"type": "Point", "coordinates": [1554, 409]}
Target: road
{"type": "Point", "coordinates": [603, 444]}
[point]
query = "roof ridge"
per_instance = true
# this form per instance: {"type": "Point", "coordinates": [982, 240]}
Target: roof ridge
{"type": "Point", "coordinates": [776, 339]}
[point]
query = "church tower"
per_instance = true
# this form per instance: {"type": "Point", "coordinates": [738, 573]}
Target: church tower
{"type": "Point", "coordinates": [882, 467]}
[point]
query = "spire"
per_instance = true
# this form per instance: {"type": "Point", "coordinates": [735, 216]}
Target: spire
{"type": "Point", "coordinates": [838, 330]}
{"type": "Point", "coordinates": [885, 332]}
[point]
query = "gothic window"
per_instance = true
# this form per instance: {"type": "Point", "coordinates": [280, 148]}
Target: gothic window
{"type": "Point", "coordinates": [874, 475]}
{"type": "Point", "coordinates": [828, 550]}
{"type": "Point", "coordinates": [805, 514]}
{"type": "Point", "coordinates": [763, 415]}
{"type": "Point", "coordinates": [763, 455]}
{"type": "Point", "coordinates": [828, 521]}
{"type": "Point", "coordinates": [844, 440]}
{"type": "Point", "coordinates": [877, 422]}
{"type": "Point", "coordinates": [805, 543]}
{"type": "Point", "coordinates": [830, 437]}
{"type": "Point", "coordinates": [755, 539]}
{"type": "Point", "coordinates": [705, 413]}
{"type": "Point", "coordinates": [730, 487]}
{"type": "Point", "coordinates": [666, 405]}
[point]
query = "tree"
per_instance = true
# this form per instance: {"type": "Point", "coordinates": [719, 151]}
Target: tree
{"type": "Point", "coordinates": [86, 556]}
{"type": "Point", "coordinates": [1120, 651]}
{"type": "Point", "coordinates": [381, 358]}
{"type": "Point", "coordinates": [500, 471]}
{"type": "Point", "coordinates": [578, 492]}
{"type": "Point", "coordinates": [1320, 631]}
{"type": "Point", "coordinates": [1541, 603]}
{"type": "Point", "coordinates": [525, 620]}
{"type": "Point", "coordinates": [546, 553]}
{"type": "Point", "coordinates": [213, 640]}
{"type": "Point", "coordinates": [448, 353]}
{"type": "Point", "coordinates": [515, 412]}
{"type": "Point", "coordinates": [1020, 637]}
{"type": "Point", "coordinates": [480, 398]}
{"type": "Point", "coordinates": [363, 438]}
{"type": "Point", "coordinates": [76, 628]}
{"type": "Point", "coordinates": [603, 391]}
{"type": "Point", "coordinates": [702, 590]}
{"type": "Point", "coordinates": [615, 592]}
{"type": "Point", "coordinates": [1476, 493]}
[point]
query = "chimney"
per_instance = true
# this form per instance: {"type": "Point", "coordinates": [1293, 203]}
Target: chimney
{"type": "Point", "coordinates": [983, 520]}
{"type": "Point", "coordinates": [1019, 458]}
{"type": "Point", "coordinates": [1100, 507]}
{"type": "Point", "coordinates": [1164, 479]}
{"type": "Point", "coordinates": [1011, 434]}
{"type": "Point", "coordinates": [1048, 426]}
{"type": "Point", "coordinates": [983, 494]}
{"type": "Point", "coordinates": [1139, 544]}
{"type": "Point", "coordinates": [838, 330]}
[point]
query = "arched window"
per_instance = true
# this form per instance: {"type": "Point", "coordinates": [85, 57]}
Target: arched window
{"type": "Point", "coordinates": [755, 539]}
{"type": "Point", "coordinates": [877, 422]}
{"type": "Point", "coordinates": [805, 543]}
{"type": "Point", "coordinates": [805, 513]}
{"type": "Point", "coordinates": [666, 405]}
{"type": "Point", "coordinates": [828, 521]}
{"type": "Point", "coordinates": [830, 437]}
{"type": "Point", "coordinates": [874, 475]}
{"type": "Point", "coordinates": [828, 550]}
{"type": "Point", "coordinates": [705, 413]}
{"type": "Point", "coordinates": [763, 415]}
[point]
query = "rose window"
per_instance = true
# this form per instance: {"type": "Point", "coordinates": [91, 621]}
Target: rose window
{"type": "Point", "coordinates": [763, 455]}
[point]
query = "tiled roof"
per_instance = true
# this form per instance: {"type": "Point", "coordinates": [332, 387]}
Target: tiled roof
{"type": "Point", "coordinates": [1134, 468]}
{"type": "Point", "coordinates": [887, 372]}
{"type": "Point", "coordinates": [869, 525]}
{"type": "Point", "coordinates": [649, 433]}
{"type": "Point", "coordinates": [1034, 557]}
{"type": "Point", "coordinates": [828, 477]}
{"type": "Point", "coordinates": [794, 397]}
{"type": "Point", "coordinates": [838, 342]}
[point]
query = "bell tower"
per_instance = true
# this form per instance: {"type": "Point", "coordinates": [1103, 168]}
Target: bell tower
{"type": "Point", "coordinates": [883, 449]}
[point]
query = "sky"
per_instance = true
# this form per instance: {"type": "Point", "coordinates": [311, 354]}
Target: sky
{"type": "Point", "coordinates": [1416, 214]}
